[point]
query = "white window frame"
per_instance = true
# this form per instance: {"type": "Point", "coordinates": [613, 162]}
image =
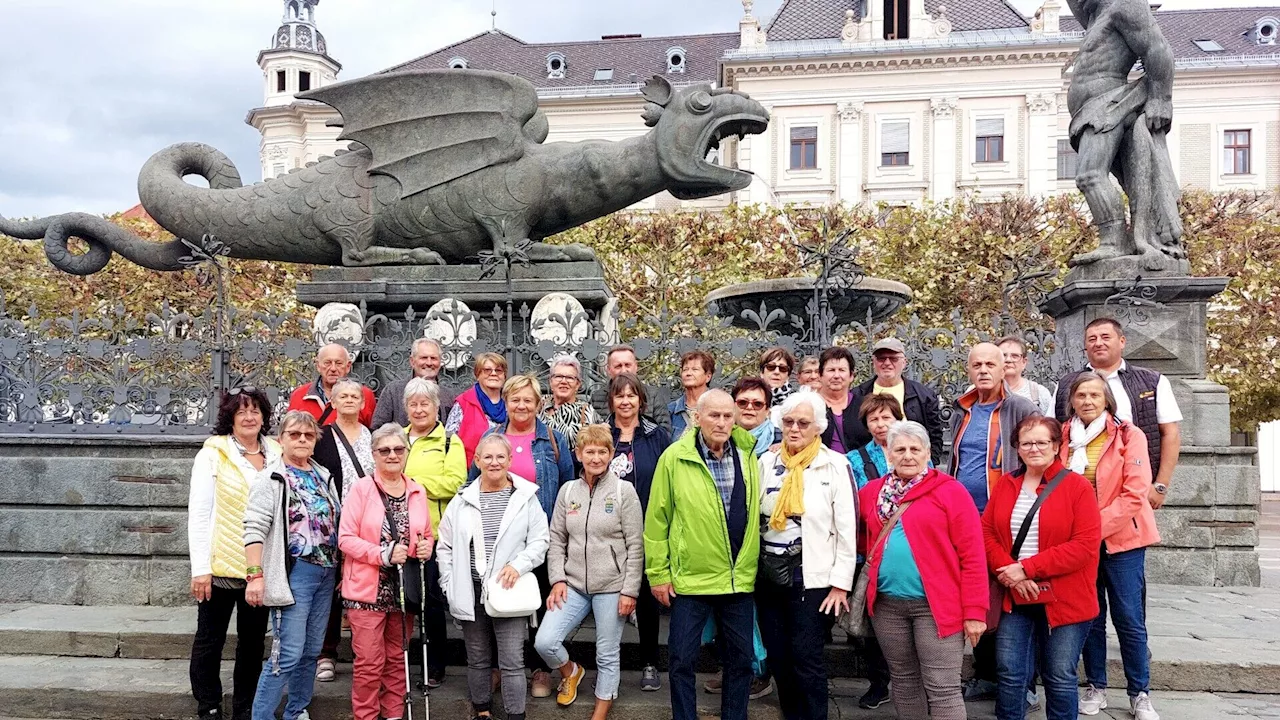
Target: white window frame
{"type": "Point", "coordinates": [1255, 179]}
{"type": "Point", "coordinates": [971, 134]}
{"type": "Point", "coordinates": [820, 128]}
{"type": "Point", "coordinates": [913, 129]}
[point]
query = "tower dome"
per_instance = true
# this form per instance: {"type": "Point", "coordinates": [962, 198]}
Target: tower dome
{"type": "Point", "coordinates": [298, 29]}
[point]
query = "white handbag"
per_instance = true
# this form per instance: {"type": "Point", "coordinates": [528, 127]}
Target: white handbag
{"type": "Point", "coordinates": [521, 600]}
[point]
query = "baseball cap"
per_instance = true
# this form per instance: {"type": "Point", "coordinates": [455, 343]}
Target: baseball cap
{"type": "Point", "coordinates": [891, 344]}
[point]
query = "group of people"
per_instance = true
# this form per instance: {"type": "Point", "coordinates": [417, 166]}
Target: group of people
{"type": "Point", "coordinates": [766, 511]}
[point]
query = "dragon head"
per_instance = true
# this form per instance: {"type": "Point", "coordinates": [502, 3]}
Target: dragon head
{"type": "Point", "coordinates": [690, 123]}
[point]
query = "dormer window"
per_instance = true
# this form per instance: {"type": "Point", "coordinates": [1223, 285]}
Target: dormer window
{"type": "Point", "coordinates": [458, 63]}
{"type": "Point", "coordinates": [604, 74]}
{"type": "Point", "coordinates": [556, 65]}
{"type": "Point", "coordinates": [1208, 45]}
{"type": "Point", "coordinates": [676, 57]}
{"type": "Point", "coordinates": [1264, 32]}
{"type": "Point", "coordinates": [897, 18]}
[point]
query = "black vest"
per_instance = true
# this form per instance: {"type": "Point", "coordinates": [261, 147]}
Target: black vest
{"type": "Point", "coordinates": [1140, 385]}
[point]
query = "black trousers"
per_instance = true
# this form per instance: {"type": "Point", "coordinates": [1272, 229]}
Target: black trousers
{"type": "Point", "coordinates": [434, 625]}
{"type": "Point", "coordinates": [648, 621]}
{"type": "Point", "coordinates": [793, 631]}
{"type": "Point", "coordinates": [213, 617]}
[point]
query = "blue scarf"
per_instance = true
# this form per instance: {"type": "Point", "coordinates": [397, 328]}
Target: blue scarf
{"type": "Point", "coordinates": [496, 411]}
{"type": "Point", "coordinates": [763, 433]}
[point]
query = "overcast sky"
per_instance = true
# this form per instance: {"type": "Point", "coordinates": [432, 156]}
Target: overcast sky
{"type": "Point", "coordinates": [90, 88]}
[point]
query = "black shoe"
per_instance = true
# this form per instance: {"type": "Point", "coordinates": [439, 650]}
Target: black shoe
{"type": "Point", "coordinates": [875, 696]}
{"type": "Point", "coordinates": [435, 681]}
{"type": "Point", "coordinates": [212, 714]}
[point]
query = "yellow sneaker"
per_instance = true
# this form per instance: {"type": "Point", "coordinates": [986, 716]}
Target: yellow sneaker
{"type": "Point", "coordinates": [568, 691]}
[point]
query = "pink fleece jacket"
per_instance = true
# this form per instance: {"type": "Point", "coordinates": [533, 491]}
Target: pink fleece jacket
{"type": "Point", "coordinates": [360, 535]}
{"type": "Point", "coordinates": [944, 531]}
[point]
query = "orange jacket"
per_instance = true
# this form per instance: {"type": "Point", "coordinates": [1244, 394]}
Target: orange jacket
{"type": "Point", "coordinates": [1123, 481]}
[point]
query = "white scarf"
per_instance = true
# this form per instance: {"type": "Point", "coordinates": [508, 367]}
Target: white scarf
{"type": "Point", "coordinates": [1081, 436]}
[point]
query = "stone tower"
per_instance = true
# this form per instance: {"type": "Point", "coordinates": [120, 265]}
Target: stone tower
{"type": "Point", "coordinates": [294, 131]}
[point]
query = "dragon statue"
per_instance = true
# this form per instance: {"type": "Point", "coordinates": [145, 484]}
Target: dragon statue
{"type": "Point", "coordinates": [444, 165]}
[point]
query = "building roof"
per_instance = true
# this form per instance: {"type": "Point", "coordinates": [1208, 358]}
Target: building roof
{"type": "Point", "coordinates": [632, 59]}
{"type": "Point", "coordinates": [1232, 28]}
{"type": "Point", "coordinates": [824, 19]}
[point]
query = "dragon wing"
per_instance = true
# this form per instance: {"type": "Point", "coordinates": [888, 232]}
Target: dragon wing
{"type": "Point", "coordinates": [427, 127]}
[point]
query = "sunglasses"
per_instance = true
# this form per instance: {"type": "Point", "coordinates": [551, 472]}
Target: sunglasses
{"type": "Point", "coordinates": [389, 451]}
{"type": "Point", "coordinates": [798, 424]}
{"type": "Point", "coordinates": [247, 389]}
{"type": "Point", "coordinates": [750, 404]}
{"type": "Point", "coordinates": [778, 367]}
{"type": "Point", "coordinates": [296, 435]}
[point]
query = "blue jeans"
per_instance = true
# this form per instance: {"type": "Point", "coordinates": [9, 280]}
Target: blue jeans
{"type": "Point", "coordinates": [1024, 630]}
{"type": "Point", "coordinates": [734, 615]}
{"type": "Point", "coordinates": [558, 623]}
{"type": "Point", "coordinates": [1122, 580]}
{"type": "Point", "coordinates": [298, 632]}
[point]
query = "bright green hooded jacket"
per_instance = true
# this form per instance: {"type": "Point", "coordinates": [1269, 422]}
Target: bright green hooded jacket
{"type": "Point", "coordinates": [686, 534]}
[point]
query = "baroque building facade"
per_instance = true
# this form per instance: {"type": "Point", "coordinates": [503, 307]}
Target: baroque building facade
{"type": "Point", "coordinates": [894, 101]}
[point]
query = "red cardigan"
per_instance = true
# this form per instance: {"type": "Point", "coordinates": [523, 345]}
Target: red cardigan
{"type": "Point", "coordinates": [1070, 537]}
{"type": "Point", "coordinates": [945, 534]}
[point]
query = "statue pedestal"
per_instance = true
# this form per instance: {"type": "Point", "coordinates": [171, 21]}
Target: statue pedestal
{"type": "Point", "coordinates": [1209, 524]}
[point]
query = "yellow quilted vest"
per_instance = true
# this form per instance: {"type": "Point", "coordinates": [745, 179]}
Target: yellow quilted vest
{"type": "Point", "coordinates": [230, 496]}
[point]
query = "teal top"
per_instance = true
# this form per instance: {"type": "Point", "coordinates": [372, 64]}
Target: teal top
{"type": "Point", "coordinates": [899, 577]}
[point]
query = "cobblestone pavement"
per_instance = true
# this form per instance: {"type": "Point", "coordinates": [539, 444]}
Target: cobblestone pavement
{"type": "Point", "coordinates": [1269, 541]}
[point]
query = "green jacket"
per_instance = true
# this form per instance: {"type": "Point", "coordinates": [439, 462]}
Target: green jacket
{"type": "Point", "coordinates": [686, 536]}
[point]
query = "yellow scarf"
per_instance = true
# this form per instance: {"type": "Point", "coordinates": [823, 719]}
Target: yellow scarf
{"type": "Point", "coordinates": [791, 498]}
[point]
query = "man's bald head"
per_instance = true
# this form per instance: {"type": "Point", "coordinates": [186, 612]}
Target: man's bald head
{"type": "Point", "coordinates": [986, 368]}
{"type": "Point", "coordinates": [716, 415]}
{"type": "Point", "coordinates": [333, 362]}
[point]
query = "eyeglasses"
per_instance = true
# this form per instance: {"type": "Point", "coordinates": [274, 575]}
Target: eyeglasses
{"type": "Point", "coordinates": [797, 424]}
{"type": "Point", "coordinates": [247, 389]}
{"type": "Point", "coordinates": [492, 371]}
{"type": "Point", "coordinates": [778, 367]}
{"type": "Point", "coordinates": [296, 435]}
{"type": "Point", "coordinates": [389, 451]}
{"type": "Point", "coordinates": [1013, 356]}
{"type": "Point", "coordinates": [746, 404]}
{"type": "Point", "coordinates": [889, 358]}
{"type": "Point", "coordinates": [564, 378]}
{"type": "Point", "coordinates": [1034, 444]}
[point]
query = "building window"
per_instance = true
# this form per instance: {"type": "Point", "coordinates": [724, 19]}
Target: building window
{"type": "Point", "coordinates": [277, 170]}
{"type": "Point", "coordinates": [804, 148]}
{"type": "Point", "coordinates": [675, 59]}
{"type": "Point", "coordinates": [281, 80]}
{"type": "Point", "coordinates": [304, 81]}
{"type": "Point", "coordinates": [990, 147]}
{"type": "Point", "coordinates": [897, 15]}
{"type": "Point", "coordinates": [895, 143]}
{"type": "Point", "coordinates": [1067, 160]}
{"type": "Point", "coordinates": [458, 63]}
{"type": "Point", "coordinates": [1235, 152]}
{"type": "Point", "coordinates": [604, 74]}
{"type": "Point", "coordinates": [556, 64]}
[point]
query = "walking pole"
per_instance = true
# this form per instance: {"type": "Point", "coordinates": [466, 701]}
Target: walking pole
{"type": "Point", "coordinates": [422, 620]}
{"type": "Point", "coordinates": [404, 639]}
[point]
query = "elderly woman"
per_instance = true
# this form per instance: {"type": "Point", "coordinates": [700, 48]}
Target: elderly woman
{"type": "Point", "coordinates": [478, 410]}
{"type": "Point", "coordinates": [595, 562]}
{"type": "Point", "coordinates": [437, 462]}
{"type": "Point", "coordinates": [385, 522]}
{"type": "Point", "coordinates": [810, 374]}
{"type": "Point", "coordinates": [878, 413]}
{"type": "Point", "coordinates": [542, 455]}
{"type": "Point", "coordinates": [776, 366]}
{"type": "Point", "coordinates": [751, 396]}
{"type": "Point", "coordinates": [808, 553]}
{"type": "Point", "coordinates": [927, 574]}
{"type": "Point", "coordinates": [494, 531]}
{"type": "Point", "coordinates": [1041, 528]}
{"type": "Point", "coordinates": [567, 414]}
{"type": "Point", "coordinates": [1112, 455]}
{"type": "Point", "coordinates": [638, 442]}
{"type": "Point", "coordinates": [291, 547]}
{"type": "Point", "coordinates": [344, 450]}
{"type": "Point", "coordinates": [220, 479]}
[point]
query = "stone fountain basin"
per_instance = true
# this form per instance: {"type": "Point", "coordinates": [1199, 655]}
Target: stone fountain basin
{"type": "Point", "coordinates": [793, 295]}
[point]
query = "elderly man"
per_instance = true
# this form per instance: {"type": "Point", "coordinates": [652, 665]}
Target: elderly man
{"type": "Point", "coordinates": [982, 452]}
{"type": "Point", "coordinates": [696, 369]}
{"type": "Point", "coordinates": [702, 544]}
{"type": "Point", "coordinates": [919, 402]}
{"type": "Point", "coordinates": [1143, 397]}
{"type": "Point", "coordinates": [333, 362]}
{"type": "Point", "coordinates": [1014, 350]}
{"type": "Point", "coordinates": [424, 362]}
{"type": "Point", "coordinates": [622, 359]}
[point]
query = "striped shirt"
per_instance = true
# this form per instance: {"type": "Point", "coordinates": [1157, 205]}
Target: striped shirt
{"type": "Point", "coordinates": [493, 505]}
{"type": "Point", "coordinates": [1031, 545]}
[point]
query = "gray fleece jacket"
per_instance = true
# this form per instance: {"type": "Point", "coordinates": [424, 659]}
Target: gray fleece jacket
{"type": "Point", "coordinates": [597, 538]}
{"type": "Point", "coordinates": [265, 523]}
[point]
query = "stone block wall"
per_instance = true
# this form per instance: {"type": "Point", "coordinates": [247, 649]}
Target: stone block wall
{"type": "Point", "coordinates": [95, 520]}
{"type": "Point", "coordinates": [1194, 146]}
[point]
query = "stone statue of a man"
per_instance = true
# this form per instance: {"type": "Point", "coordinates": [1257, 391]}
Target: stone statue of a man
{"type": "Point", "coordinates": [1118, 127]}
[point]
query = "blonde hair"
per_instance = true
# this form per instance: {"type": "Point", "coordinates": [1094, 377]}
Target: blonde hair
{"type": "Point", "coordinates": [599, 435]}
{"type": "Point", "coordinates": [498, 361]}
{"type": "Point", "coordinates": [516, 383]}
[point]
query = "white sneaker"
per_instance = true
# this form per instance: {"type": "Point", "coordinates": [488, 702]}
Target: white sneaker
{"type": "Point", "coordinates": [1093, 701]}
{"type": "Point", "coordinates": [1141, 708]}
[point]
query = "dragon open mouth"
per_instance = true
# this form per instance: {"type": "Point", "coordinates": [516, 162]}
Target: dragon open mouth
{"type": "Point", "coordinates": [740, 126]}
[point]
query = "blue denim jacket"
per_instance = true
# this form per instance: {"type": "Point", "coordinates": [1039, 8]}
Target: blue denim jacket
{"type": "Point", "coordinates": [679, 417]}
{"type": "Point", "coordinates": [551, 473]}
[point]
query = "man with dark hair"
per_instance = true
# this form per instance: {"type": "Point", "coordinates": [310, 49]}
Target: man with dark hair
{"type": "Point", "coordinates": [696, 369]}
{"type": "Point", "coordinates": [835, 369]}
{"type": "Point", "coordinates": [1144, 397]}
{"type": "Point", "coordinates": [622, 359]}
{"type": "Point", "coordinates": [918, 401]}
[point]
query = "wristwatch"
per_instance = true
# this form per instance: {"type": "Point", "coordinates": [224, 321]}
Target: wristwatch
{"type": "Point", "coordinates": [1161, 488]}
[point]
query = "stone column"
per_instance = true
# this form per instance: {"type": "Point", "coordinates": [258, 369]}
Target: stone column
{"type": "Point", "coordinates": [1209, 524]}
{"type": "Point", "coordinates": [942, 182]}
{"type": "Point", "coordinates": [1042, 143]}
{"type": "Point", "coordinates": [849, 182]}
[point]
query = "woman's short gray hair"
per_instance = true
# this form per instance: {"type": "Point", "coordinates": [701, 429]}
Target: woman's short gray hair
{"type": "Point", "coordinates": [299, 417]}
{"type": "Point", "coordinates": [800, 398]}
{"type": "Point", "coordinates": [388, 430]}
{"type": "Point", "coordinates": [909, 429]}
{"type": "Point", "coordinates": [422, 387]}
{"type": "Point", "coordinates": [567, 359]}
{"type": "Point", "coordinates": [346, 384]}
